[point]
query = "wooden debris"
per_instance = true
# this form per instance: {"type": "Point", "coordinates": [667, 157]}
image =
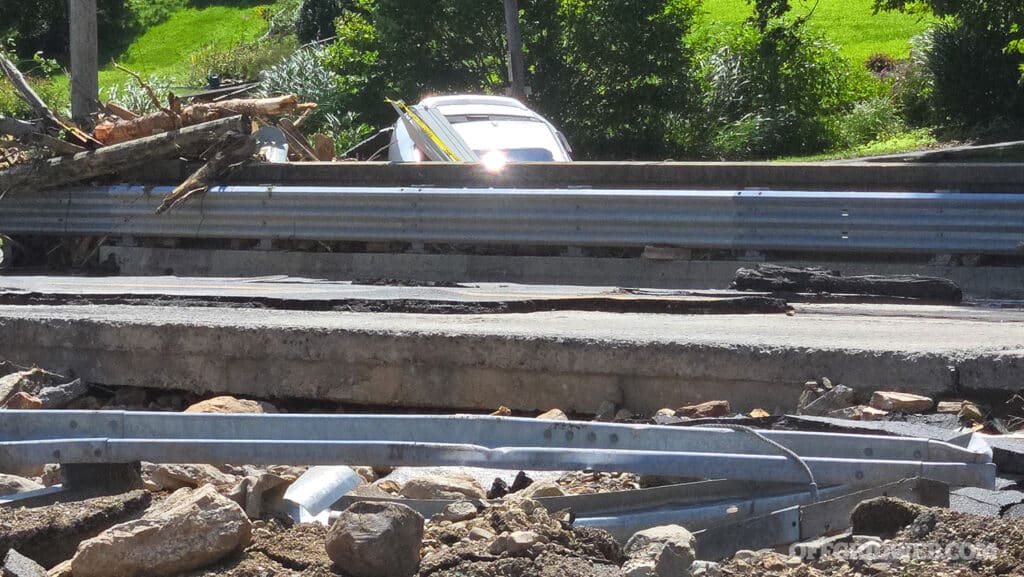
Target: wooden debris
{"type": "Point", "coordinates": [903, 402]}
{"type": "Point", "coordinates": [323, 146]}
{"type": "Point", "coordinates": [18, 128]}
{"type": "Point", "coordinates": [120, 111]}
{"type": "Point", "coordinates": [774, 278]}
{"type": "Point", "coordinates": [296, 141]}
{"type": "Point", "coordinates": [112, 132]}
{"type": "Point", "coordinates": [233, 149]}
{"type": "Point", "coordinates": [190, 141]}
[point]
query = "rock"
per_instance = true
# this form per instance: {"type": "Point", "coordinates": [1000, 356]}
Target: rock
{"type": "Point", "coordinates": [665, 412]}
{"type": "Point", "coordinates": [705, 410]}
{"type": "Point", "coordinates": [61, 396]}
{"type": "Point", "coordinates": [971, 413]}
{"type": "Point", "coordinates": [172, 477]}
{"type": "Point", "coordinates": [449, 487]}
{"type": "Point", "coordinates": [949, 407]}
{"type": "Point", "coordinates": [231, 405]}
{"type": "Point", "coordinates": [605, 411]}
{"type": "Point", "coordinates": [51, 475]}
{"type": "Point", "coordinates": [1014, 512]}
{"type": "Point", "coordinates": [541, 489]}
{"type": "Point", "coordinates": [12, 484]}
{"type": "Point", "coordinates": [521, 482]}
{"type": "Point", "coordinates": [553, 415]}
{"type": "Point", "coordinates": [623, 415]}
{"type": "Point", "coordinates": [376, 540]}
{"type": "Point", "coordinates": [923, 525]}
{"type": "Point", "coordinates": [18, 565]}
{"type": "Point", "coordinates": [815, 548]}
{"type": "Point", "coordinates": [838, 397]}
{"type": "Point", "coordinates": [188, 530]}
{"type": "Point", "coordinates": [367, 473]}
{"type": "Point", "coordinates": [660, 551]}
{"type": "Point", "coordinates": [519, 542]}
{"type": "Point", "coordinates": [499, 488]}
{"type": "Point", "coordinates": [389, 486]}
{"type": "Point", "coordinates": [902, 402]}
{"type": "Point", "coordinates": [705, 569]}
{"type": "Point", "coordinates": [457, 511]}
{"type": "Point", "coordinates": [31, 381]}
{"type": "Point", "coordinates": [744, 554]}
{"type": "Point", "coordinates": [502, 411]}
{"type": "Point", "coordinates": [254, 492]}
{"type": "Point", "coordinates": [759, 414]}
{"type": "Point", "coordinates": [480, 534]}
{"type": "Point", "coordinates": [23, 400]}
{"type": "Point", "coordinates": [859, 413]}
{"type": "Point", "coordinates": [883, 516]}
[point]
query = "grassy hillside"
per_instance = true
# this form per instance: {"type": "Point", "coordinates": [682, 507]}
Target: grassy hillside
{"type": "Point", "coordinates": [848, 23]}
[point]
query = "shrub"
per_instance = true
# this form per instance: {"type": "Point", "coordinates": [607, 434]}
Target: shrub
{"type": "Point", "coordinates": [870, 120]}
{"type": "Point", "coordinates": [243, 61]}
{"type": "Point", "coordinates": [880, 63]}
{"type": "Point", "coordinates": [975, 81]}
{"type": "Point", "coordinates": [913, 84]}
{"type": "Point", "coordinates": [305, 75]}
{"type": "Point", "coordinates": [766, 93]}
{"type": "Point", "coordinates": [134, 97]}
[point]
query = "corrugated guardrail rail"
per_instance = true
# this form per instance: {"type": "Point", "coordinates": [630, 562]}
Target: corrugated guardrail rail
{"type": "Point", "coordinates": [715, 219]}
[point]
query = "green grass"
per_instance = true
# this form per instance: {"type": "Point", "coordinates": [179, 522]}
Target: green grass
{"type": "Point", "coordinates": [909, 141]}
{"type": "Point", "coordinates": [164, 50]}
{"type": "Point", "coordinates": [848, 23]}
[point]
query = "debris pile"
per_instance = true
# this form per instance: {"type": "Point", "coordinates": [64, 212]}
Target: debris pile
{"type": "Point", "coordinates": [218, 133]}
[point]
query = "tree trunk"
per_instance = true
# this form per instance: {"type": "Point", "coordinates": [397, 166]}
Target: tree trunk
{"type": "Point", "coordinates": [187, 142]}
{"type": "Point", "coordinates": [774, 278]}
{"type": "Point", "coordinates": [112, 132]}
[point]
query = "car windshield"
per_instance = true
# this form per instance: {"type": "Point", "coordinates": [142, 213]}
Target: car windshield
{"type": "Point", "coordinates": [521, 140]}
{"type": "Point", "coordinates": [522, 154]}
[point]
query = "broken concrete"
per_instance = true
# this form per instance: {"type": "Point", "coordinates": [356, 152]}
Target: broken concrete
{"type": "Point", "coordinates": [525, 362]}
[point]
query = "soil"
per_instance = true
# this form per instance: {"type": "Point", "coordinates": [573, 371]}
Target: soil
{"type": "Point", "coordinates": [49, 535]}
{"type": "Point", "coordinates": [999, 552]}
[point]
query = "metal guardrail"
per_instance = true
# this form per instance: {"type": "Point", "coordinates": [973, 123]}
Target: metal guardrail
{"type": "Point", "coordinates": [36, 437]}
{"type": "Point", "coordinates": [745, 220]}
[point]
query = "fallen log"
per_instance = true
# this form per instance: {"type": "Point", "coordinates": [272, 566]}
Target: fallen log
{"type": "Point", "coordinates": [187, 142]}
{"type": "Point", "coordinates": [115, 131]}
{"type": "Point", "coordinates": [775, 278]}
{"type": "Point", "coordinates": [18, 128]}
{"type": "Point", "coordinates": [50, 119]}
{"type": "Point", "coordinates": [235, 148]}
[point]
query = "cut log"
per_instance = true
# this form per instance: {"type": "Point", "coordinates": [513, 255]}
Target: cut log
{"type": "Point", "coordinates": [187, 142]}
{"type": "Point", "coordinates": [112, 132]}
{"type": "Point", "coordinates": [38, 106]}
{"type": "Point", "coordinates": [775, 278]}
{"type": "Point", "coordinates": [234, 148]}
{"type": "Point", "coordinates": [121, 111]}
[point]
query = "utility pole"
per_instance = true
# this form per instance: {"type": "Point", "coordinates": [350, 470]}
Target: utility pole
{"type": "Point", "coordinates": [516, 69]}
{"type": "Point", "coordinates": [84, 66]}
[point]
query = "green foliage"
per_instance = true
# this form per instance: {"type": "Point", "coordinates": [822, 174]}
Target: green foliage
{"type": "Point", "coordinates": [315, 19]}
{"type": "Point", "coordinates": [42, 26]}
{"type": "Point", "coordinates": [243, 61]}
{"type": "Point", "coordinates": [767, 93]}
{"type": "Point", "coordinates": [408, 50]}
{"type": "Point", "coordinates": [976, 58]}
{"type": "Point", "coordinates": [305, 75]}
{"type": "Point", "coordinates": [608, 71]}
{"type": "Point", "coordinates": [871, 120]}
{"type": "Point", "coordinates": [133, 96]}
{"type": "Point", "coordinates": [913, 84]}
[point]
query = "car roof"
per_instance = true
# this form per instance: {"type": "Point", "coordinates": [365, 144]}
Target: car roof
{"type": "Point", "coordinates": [478, 105]}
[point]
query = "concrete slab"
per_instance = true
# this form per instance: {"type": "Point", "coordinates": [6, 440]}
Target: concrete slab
{"type": "Point", "coordinates": [570, 360]}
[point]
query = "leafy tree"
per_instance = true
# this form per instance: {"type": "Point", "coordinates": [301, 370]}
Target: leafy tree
{"type": "Point", "coordinates": [976, 57]}
{"type": "Point", "coordinates": [42, 26]}
{"type": "Point", "coordinates": [604, 70]}
{"type": "Point", "coordinates": [315, 19]}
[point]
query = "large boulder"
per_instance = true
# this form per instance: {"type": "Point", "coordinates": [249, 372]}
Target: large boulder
{"type": "Point", "coordinates": [171, 477]}
{"type": "Point", "coordinates": [229, 404]}
{"type": "Point", "coordinates": [11, 484]}
{"type": "Point", "coordinates": [18, 565]}
{"type": "Point", "coordinates": [30, 382]}
{"type": "Point", "coordinates": [659, 552]}
{"type": "Point", "coordinates": [376, 540]}
{"type": "Point", "coordinates": [188, 530]}
{"type": "Point", "coordinates": [451, 487]}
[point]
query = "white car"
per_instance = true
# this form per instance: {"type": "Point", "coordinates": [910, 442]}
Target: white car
{"type": "Point", "coordinates": [490, 125]}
